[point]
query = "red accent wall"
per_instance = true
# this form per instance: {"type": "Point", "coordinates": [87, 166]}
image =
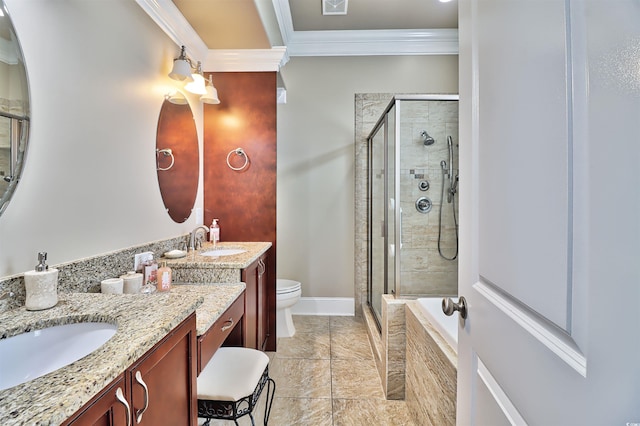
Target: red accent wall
{"type": "Point", "coordinates": [244, 201]}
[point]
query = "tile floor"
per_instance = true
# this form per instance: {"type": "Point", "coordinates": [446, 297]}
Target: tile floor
{"type": "Point", "coordinates": [326, 376]}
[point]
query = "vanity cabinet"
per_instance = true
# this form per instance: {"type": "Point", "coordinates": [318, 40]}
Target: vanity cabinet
{"type": "Point", "coordinates": [231, 320]}
{"type": "Point", "coordinates": [256, 324]}
{"type": "Point", "coordinates": [159, 388]}
{"type": "Point", "coordinates": [108, 408]}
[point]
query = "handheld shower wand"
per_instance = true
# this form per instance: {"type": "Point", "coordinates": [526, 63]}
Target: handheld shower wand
{"type": "Point", "coordinates": [450, 145]}
{"type": "Point", "coordinates": [447, 172]}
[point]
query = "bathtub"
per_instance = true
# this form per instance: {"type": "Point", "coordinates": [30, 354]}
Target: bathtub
{"type": "Point", "coordinates": [431, 307]}
{"type": "Point", "coordinates": [431, 362]}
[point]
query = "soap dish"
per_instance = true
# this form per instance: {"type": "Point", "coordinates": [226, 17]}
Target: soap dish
{"type": "Point", "coordinates": [175, 254]}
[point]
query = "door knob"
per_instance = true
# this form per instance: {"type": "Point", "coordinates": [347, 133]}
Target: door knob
{"type": "Point", "coordinates": [449, 306]}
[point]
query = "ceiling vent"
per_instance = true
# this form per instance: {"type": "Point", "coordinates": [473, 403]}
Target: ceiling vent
{"type": "Point", "coordinates": [334, 7]}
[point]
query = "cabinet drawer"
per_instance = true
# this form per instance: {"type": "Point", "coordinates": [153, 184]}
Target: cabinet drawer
{"type": "Point", "coordinates": [210, 341]}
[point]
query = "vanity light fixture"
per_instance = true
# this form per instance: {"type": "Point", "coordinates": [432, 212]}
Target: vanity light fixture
{"type": "Point", "coordinates": [184, 70]}
{"type": "Point", "coordinates": [211, 97]}
{"type": "Point", "coordinates": [197, 84]}
{"type": "Point", "coordinates": [182, 66]}
{"type": "Point", "coordinates": [176, 98]}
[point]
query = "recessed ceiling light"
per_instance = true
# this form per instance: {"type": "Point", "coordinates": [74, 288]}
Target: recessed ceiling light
{"type": "Point", "coordinates": [334, 7]}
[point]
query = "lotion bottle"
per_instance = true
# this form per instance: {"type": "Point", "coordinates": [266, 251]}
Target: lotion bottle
{"type": "Point", "coordinates": [214, 232]}
{"type": "Point", "coordinates": [41, 285]}
{"type": "Point", "coordinates": [164, 277]}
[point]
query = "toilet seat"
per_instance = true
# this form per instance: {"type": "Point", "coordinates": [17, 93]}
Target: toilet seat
{"type": "Point", "coordinates": [287, 286]}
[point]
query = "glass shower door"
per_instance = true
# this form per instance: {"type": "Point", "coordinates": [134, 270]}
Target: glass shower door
{"type": "Point", "coordinates": [393, 203]}
{"type": "Point", "coordinates": [377, 229]}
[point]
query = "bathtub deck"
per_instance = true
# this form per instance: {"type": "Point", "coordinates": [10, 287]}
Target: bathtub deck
{"type": "Point", "coordinates": [431, 368]}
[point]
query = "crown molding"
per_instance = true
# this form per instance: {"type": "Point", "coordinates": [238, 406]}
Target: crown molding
{"type": "Point", "coordinates": [360, 43]}
{"type": "Point", "coordinates": [221, 60]}
{"type": "Point", "coordinates": [298, 43]}
{"type": "Point", "coordinates": [168, 17]}
{"type": "Point", "coordinates": [373, 42]}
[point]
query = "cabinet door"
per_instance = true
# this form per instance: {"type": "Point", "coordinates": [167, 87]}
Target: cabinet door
{"type": "Point", "coordinates": [250, 278]}
{"type": "Point", "coordinates": [163, 382]}
{"type": "Point", "coordinates": [109, 408]}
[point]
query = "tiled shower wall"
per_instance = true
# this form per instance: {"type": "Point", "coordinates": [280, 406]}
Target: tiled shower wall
{"type": "Point", "coordinates": [424, 272]}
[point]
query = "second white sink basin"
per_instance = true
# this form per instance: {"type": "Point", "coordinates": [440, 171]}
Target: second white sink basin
{"type": "Point", "coordinates": [30, 355]}
{"type": "Point", "coordinates": [222, 252]}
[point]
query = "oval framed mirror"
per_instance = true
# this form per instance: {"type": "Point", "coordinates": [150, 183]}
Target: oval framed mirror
{"type": "Point", "coordinates": [177, 157]}
{"type": "Point", "coordinates": [14, 110]}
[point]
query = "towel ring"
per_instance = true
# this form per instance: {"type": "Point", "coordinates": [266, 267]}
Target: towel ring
{"type": "Point", "coordinates": [240, 152]}
{"type": "Point", "coordinates": [167, 153]}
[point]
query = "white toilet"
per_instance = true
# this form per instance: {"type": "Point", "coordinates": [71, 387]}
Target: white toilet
{"type": "Point", "coordinates": [288, 293]}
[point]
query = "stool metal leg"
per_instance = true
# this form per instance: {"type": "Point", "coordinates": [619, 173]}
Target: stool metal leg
{"type": "Point", "coordinates": [271, 389]}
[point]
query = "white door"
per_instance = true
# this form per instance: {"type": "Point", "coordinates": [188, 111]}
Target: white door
{"type": "Point", "coordinates": [550, 212]}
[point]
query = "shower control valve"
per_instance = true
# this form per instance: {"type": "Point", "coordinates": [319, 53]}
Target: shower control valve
{"type": "Point", "coordinates": [423, 204]}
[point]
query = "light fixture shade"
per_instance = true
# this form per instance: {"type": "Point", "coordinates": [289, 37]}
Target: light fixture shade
{"type": "Point", "coordinates": [176, 98]}
{"type": "Point", "coordinates": [211, 97]}
{"type": "Point", "coordinates": [197, 85]}
{"type": "Point", "coordinates": [181, 70]}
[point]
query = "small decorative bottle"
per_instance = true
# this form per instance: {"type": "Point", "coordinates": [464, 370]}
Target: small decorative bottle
{"type": "Point", "coordinates": [150, 276]}
{"type": "Point", "coordinates": [41, 285]}
{"type": "Point", "coordinates": [164, 277]}
{"type": "Point", "coordinates": [214, 232]}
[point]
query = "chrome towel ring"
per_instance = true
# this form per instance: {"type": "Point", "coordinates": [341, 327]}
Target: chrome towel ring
{"type": "Point", "coordinates": [167, 153]}
{"type": "Point", "coordinates": [240, 152]}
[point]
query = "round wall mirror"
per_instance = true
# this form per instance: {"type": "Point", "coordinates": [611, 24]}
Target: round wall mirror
{"type": "Point", "coordinates": [14, 110]}
{"type": "Point", "coordinates": [177, 157]}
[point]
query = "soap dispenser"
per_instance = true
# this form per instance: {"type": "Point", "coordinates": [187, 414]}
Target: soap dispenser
{"type": "Point", "coordinates": [41, 285]}
{"type": "Point", "coordinates": [214, 232]}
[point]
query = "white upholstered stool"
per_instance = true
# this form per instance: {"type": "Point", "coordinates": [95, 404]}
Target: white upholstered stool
{"type": "Point", "coordinates": [230, 385]}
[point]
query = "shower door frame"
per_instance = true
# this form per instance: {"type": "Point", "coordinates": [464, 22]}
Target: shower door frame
{"type": "Point", "coordinates": [383, 121]}
{"type": "Point", "coordinates": [381, 126]}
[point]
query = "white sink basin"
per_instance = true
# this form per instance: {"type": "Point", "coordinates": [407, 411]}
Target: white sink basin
{"type": "Point", "coordinates": [222, 252]}
{"type": "Point", "coordinates": [30, 355]}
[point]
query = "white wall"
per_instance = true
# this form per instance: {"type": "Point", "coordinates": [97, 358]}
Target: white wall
{"type": "Point", "coordinates": [315, 242]}
{"type": "Point", "coordinates": [97, 73]}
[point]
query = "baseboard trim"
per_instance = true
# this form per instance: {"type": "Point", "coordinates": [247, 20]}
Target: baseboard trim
{"type": "Point", "coordinates": [337, 306]}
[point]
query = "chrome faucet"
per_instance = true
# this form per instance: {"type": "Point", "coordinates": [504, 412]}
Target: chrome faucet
{"type": "Point", "coordinates": [194, 242]}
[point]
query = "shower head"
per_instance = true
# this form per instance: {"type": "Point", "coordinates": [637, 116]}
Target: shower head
{"type": "Point", "coordinates": [426, 139]}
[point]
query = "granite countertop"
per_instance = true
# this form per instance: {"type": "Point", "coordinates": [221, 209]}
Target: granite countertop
{"type": "Point", "coordinates": [142, 320]}
{"type": "Point", "coordinates": [214, 302]}
{"type": "Point", "coordinates": [195, 260]}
